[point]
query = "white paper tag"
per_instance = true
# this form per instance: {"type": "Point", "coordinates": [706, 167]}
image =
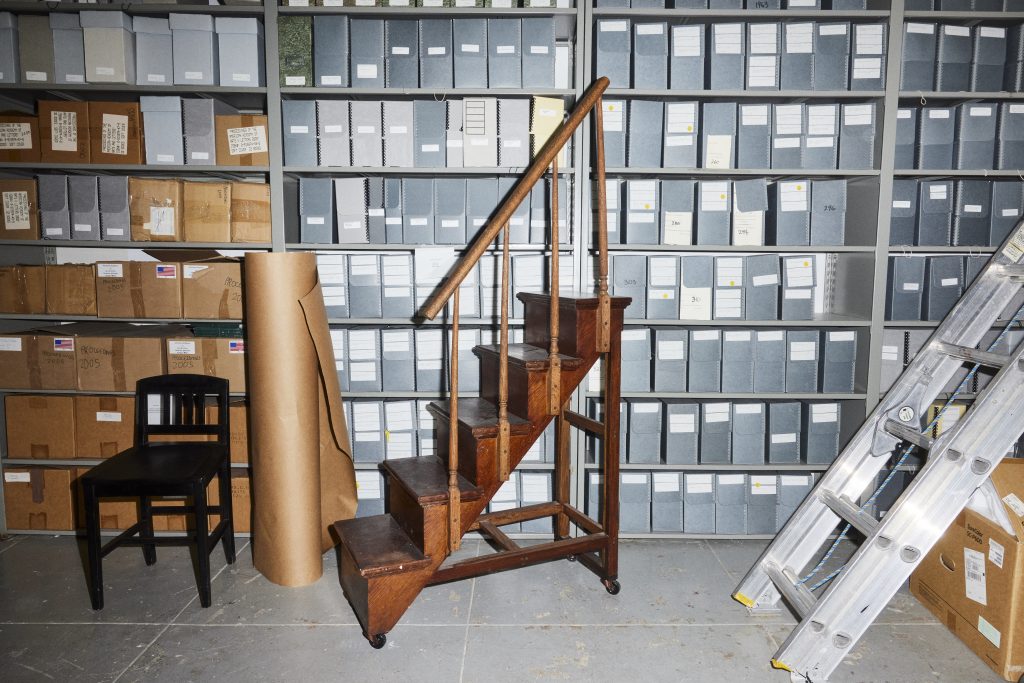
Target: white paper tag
{"type": "Point", "coordinates": [17, 211]}
{"type": "Point", "coordinates": [108, 416]}
{"type": "Point", "coordinates": [1014, 503]}
{"type": "Point", "coordinates": [989, 631]}
{"type": "Point", "coordinates": [606, 26]}
{"type": "Point", "coordinates": [35, 75]}
{"type": "Point", "coordinates": [247, 140]}
{"type": "Point", "coordinates": [10, 344]}
{"type": "Point", "coordinates": [784, 438]}
{"type": "Point", "coordinates": [298, 130]}
{"type": "Point", "coordinates": [110, 270]}
{"type": "Point", "coordinates": [294, 80]}
{"type": "Point", "coordinates": [200, 156]}
{"type": "Point", "coordinates": [64, 131]}
{"type": "Point", "coordinates": [15, 136]}
{"type": "Point", "coordinates": [114, 134]}
{"type": "Point", "coordinates": [398, 50]}
{"type": "Point", "coordinates": [505, 49]}
{"type": "Point", "coordinates": [996, 552]}
{"type": "Point", "coordinates": [974, 576]}
{"type": "Point", "coordinates": [181, 348]}
{"type": "Point", "coordinates": [189, 75]}
{"type": "Point", "coordinates": [666, 482]}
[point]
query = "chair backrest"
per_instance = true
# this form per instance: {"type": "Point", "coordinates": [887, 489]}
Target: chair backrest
{"type": "Point", "coordinates": [184, 401]}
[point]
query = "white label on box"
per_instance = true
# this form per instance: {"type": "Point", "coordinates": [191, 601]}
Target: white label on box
{"type": "Point", "coordinates": [15, 136]}
{"type": "Point", "coordinates": [10, 343]}
{"type": "Point", "coordinates": [298, 130]}
{"type": "Point", "coordinates": [678, 227]}
{"type": "Point", "coordinates": [605, 26]}
{"type": "Point", "coordinates": [437, 50]}
{"type": "Point", "coordinates": [832, 30]}
{"type": "Point", "coordinates": [666, 482]}
{"type": "Point", "coordinates": [728, 39]}
{"type": "Point", "coordinates": [992, 32]}
{"type": "Point", "coordinates": [682, 424]}
{"type": "Point", "coordinates": [398, 130]}
{"type": "Point", "coordinates": [904, 114]}
{"type": "Point", "coordinates": [996, 552]}
{"type": "Point", "coordinates": [989, 631]}
{"type": "Point", "coordinates": [772, 335]}
{"type": "Point", "coordinates": [469, 47]}
{"type": "Point", "coordinates": [980, 111]}
{"type": "Point", "coordinates": [108, 416]}
{"type": "Point", "coordinates": [699, 483]}
{"type": "Point", "coordinates": [869, 39]}
{"type": "Point", "coordinates": [796, 294]}
{"type": "Point", "coordinates": [921, 28]}
{"type": "Point", "coordinates": [761, 485]}
{"type": "Point", "coordinates": [511, 144]}
{"type": "Point", "coordinates": [686, 41]}
{"type": "Point", "coordinates": [247, 140]}
{"type": "Point", "coordinates": [56, 232]}
{"type": "Point", "coordinates": [784, 438]}
{"type": "Point", "coordinates": [762, 280]}
{"type": "Point", "coordinates": [743, 335]}
{"type": "Point", "coordinates": [295, 80]}
{"type": "Point", "coordinates": [719, 152]}
{"type": "Point", "coordinates": [705, 335]}
{"type": "Point", "coordinates": [890, 353]}
{"type": "Point", "coordinates": [64, 131]}
{"type": "Point", "coordinates": [191, 269]}
{"type": "Point", "coordinates": [1006, 213]}
{"type": "Point", "coordinates": [334, 129]}
{"type": "Point", "coordinates": [824, 412]}
{"type": "Point", "coordinates": [109, 71]}
{"type": "Point", "coordinates": [841, 336]}
{"type": "Point", "coordinates": [867, 67]}
{"type": "Point", "coordinates": [754, 115]}
{"type": "Point", "coordinates": [17, 477]}
{"type": "Point", "coordinates": [857, 115]}
{"type": "Point", "coordinates": [938, 114]}
{"type": "Point", "coordinates": [761, 71]}
{"type": "Point", "coordinates": [937, 191]}
{"type": "Point", "coordinates": [956, 30]}
{"type": "Point", "coordinates": [714, 196]}
{"type": "Point", "coordinates": [900, 204]}
{"type": "Point", "coordinates": [161, 220]}
{"type": "Point", "coordinates": [110, 270]}
{"type": "Point", "coordinates": [200, 156]}
{"type": "Point", "coordinates": [400, 50]}
{"type": "Point", "coordinates": [748, 408]}
{"type": "Point", "coordinates": [17, 212]}
{"type": "Point", "coordinates": [35, 75]}
{"type": "Point", "coordinates": [156, 78]}
{"type": "Point", "coordinates": [330, 80]}
{"type": "Point", "coordinates": [505, 49]}
{"type": "Point", "coordinates": [803, 351]}
{"type": "Point", "coordinates": [793, 196]}
{"type": "Point", "coordinates": [366, 130]}
{"type": "Point", "coordinates": [430, 148]}
{"type": "Point", "coordinates": [368, 486]}
{"type": "Point", "coordinates": [165, 158]}
{"type": "Point", "coordinates": [716, 412]}
{"type": "Point", "coordinates": [70, 78]}
{"type": "Point", "coordinates": [114, 134]}
{"type": "Point", "coordinates": [646, 407]}
{"type": "Point", "coordinates": [181, 348]}
{"type": "Point", "coordinates": [785, 143]}
{"type": "Point", "coordinates": [538, 49]}
{"type": "Point", "coordinates": [974, 576]}
{"type": "Point", "coordinates": [314, 220]}
{"type": "Point", "coordinates": [799, 38]}
{"type": "Point", "coordinates": [672, 350]}
{"type": "Point", "coordinates": [911, 287]}
{"type": "Point", "coordinates": [189, 75]}
{"type": "Point", "coordinates": [949, 282]}
{"type": "Point", "coordinates": [731, 479]}
{"type": "Point", "coordinates": [1014, 504]}
{"type": "Point", "coordinates": [649, 29]}
{"type": "Point", "coordinates": [241, 78]}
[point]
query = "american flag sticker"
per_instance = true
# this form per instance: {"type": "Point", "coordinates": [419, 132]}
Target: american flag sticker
{"type": "Point", "coordinates": [236, 346]}
{"type": "Point", "coordinates": [63, 344]}
{"type": "Point", "coordinates": [169, 272]}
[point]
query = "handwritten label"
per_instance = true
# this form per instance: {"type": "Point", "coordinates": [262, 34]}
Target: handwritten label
{"type": "Point", "coordinates": [248, 140]}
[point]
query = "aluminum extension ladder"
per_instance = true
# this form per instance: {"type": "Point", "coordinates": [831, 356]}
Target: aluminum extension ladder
{"type": "Point", "coordinates": [959, 462]}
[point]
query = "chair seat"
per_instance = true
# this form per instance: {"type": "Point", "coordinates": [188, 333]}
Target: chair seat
{"type": "Point", "coordinates": [159, 464]}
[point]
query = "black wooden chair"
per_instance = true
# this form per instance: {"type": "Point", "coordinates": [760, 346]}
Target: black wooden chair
{"type": "Point", "coordinates": [153, 468]}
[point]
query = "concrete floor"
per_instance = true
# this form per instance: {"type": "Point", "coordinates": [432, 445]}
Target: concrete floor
{"type": "Point", "coordinates": [673, 621]}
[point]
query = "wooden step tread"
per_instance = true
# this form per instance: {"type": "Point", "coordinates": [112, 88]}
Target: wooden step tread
{"type": "Point", "coordinates": [426, 480]}
{"type": "Point", "coordinates": [530, 356]}
{"type": "Point", "coordinates": [379, 546]}
{"type": "Point", "coordinates": [480, 415]}
{"type": "Point", "coordinates": [573, 300]}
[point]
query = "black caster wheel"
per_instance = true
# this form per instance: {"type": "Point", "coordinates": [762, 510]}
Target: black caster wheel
{"type": "Point", "coordinates": [612, 586]}
{"type": "Point", "coordinates": [378, 641]}
{"type": "Point", "coordinates": [571, 558]}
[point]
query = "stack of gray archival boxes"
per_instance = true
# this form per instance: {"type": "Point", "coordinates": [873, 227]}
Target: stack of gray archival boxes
{"type": "Point", "coordinates": [964, 212]}
{"type": "Point", "coordinates": [957, 58]}
{"type": "Point", "coordinates": [653, 134]}
{"type": "Point", "coordinates": [741, 56]}
{"type": "Point", "coordinates": [925, 287]}
{"type": "Point", "coordinates": [968, 136]}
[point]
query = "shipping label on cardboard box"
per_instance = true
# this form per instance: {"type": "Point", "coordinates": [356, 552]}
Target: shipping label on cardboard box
{"type": "Point", "coordinates": [114, 136]}
{"type": "Point", "coordinates": [249, 140]}
{"type": "Point", "coordinates": [17, 214]}
{"type": "Point", "coordinates": [15, 136]}
{"type": "Point", "coordinates": [64, 131]}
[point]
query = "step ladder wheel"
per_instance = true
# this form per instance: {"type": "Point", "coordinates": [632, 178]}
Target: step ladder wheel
{"type": "Point", "coordinates": [612, 586]}
{"type": "Point", "coordinates": [378, 641]}
{"type": "Point", "coordinates": [571, 558]}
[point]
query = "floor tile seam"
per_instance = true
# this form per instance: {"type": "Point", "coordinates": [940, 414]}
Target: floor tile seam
{"type": "Point", "coordinates": [626, 625]}
{"type": "Point", "coordinates": [7, 545]}
{"type": "Point", "coordinates": [721, 563]}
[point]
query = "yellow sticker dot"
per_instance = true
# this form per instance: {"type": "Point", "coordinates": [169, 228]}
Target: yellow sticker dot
{"type": "Point", "coordinates": [721, 196]}
{"type": "Point", "coordinates": [799, 187]}
{"type": "Point", "coordinates": [689, 129]}
{"type": "Point", "coordinates": [807, 263]}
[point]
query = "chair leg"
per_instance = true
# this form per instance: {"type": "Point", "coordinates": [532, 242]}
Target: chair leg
{"type": "Point", "coordinates": [227, 511]}
{"type": "Point", "coordinates": [202, 541]}
{"type": "Point", "coordinates": [92, 528]}
{"type": "Point", "coordinates": [146, 518]}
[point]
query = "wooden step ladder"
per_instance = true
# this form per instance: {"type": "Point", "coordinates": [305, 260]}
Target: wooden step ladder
{"type": "Point", "coordinates": [386, 560]}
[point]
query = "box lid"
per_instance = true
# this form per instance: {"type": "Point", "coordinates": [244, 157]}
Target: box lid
{"type": "Point", "coordinates": [191, 22]}
{"type": "Point", "coordinates": [250, 25]}
{"type": "Point", "coordinates": [148, 103]}
{"type": "Point", "coordinates": [151, 25]}
{"type": "Point", "coordinates": [99, 19]}
{"type": "Point", "coordinates": [63, 20]}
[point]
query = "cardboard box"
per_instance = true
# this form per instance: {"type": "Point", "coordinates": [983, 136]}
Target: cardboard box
{"type": "Point", "coordinates": [40, 427]}
{"type": "Point", "coordinates": [238, 415]}
{"type": "Point", "coordinates": [71, 289]}
{"type": "Point", "coordinates": [137, 289]}
{"type": "Point", "coordinates": [22, 289]}
{"type": "Point", "coordinates": [116, 514]}
{"type": "Point", "coordinates": [241, 502]}
{"type": "Point", "coordinates": [215, 357]}
{"type": "Point", "coordinates": [180, 522]}
{"type": "Point", "coordinates": [156, 207]}
{"type": "Point", "coordinates": [114, 357]}
{"type": "Point", "coordinates": [207, 215]}
{"type": "Point", "coordinates": [19, 138]}
{"type": "Point", "coordinates": [104, 425]}
{"type": "Point", "coordinates": [16, 350]}
{"type": "Point", "coordinates": [38, 498]}
{"type": "Point", "coordinates": [63, 131]}
{"type": "Point", "coordinates": [242, 140]}
{"type": "Point", "coordinates": [972, 579]}
{"type": "Point", "coordinates": [212, 289]}
{"type": "Point", "coordinates": [115, 133]}
{"type": "Point", "coordinates": [250, 212]}
{"type": "Point", "coordinates": [20, 217]}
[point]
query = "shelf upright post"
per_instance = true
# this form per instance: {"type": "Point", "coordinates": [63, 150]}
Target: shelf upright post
{"type": "Point", "coordinates": [276, 176]}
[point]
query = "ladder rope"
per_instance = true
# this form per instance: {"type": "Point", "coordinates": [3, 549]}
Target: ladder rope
{"type": "Point", "coordinates": [903, 456]}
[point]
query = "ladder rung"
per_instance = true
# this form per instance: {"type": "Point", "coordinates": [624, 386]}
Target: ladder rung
{"type": "Point", "coordinates": [1012, 272]}
{"type": "Point", "coordinates": [908, 433]}
{"type": "Point", "coordinates": [986, 358]}
{"type": "Point", "coordinates": [847, 510]}
{"type": "Point", "coordinates": [796, 594]}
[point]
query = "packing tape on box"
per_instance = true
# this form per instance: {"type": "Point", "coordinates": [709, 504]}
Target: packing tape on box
{"type": "Point", "coordinates": [303, 479]}
{"type": "Point", "coordinates": [35, 373]}
{"type": "Point", "coordinates": [209, 356]}
{"type": "Point", "coordinates": [117, 363]}
{"type": "Point", "coordinates": [135, 289]}
{"type": "Point", "coordinates": [38, 484]}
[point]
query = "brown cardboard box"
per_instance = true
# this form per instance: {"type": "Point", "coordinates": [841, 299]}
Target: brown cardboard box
{"type": "Point", "coordinates": [156, 207]}
{"type": "Point", "coordinates": [238, 414]}
{"type": "Point", "coordinates": [20, 217]}
{"type": "Point", "coordinates": [985, 607]}
{"type": "Point", "coordinates": [115, 513]}
{"type": "Point", "coordinates": [212, 289]}
{"type": "Point", "coordinates": [212, 356]}
{"type": "Point", "coordinates": [241, 502]}
{"type": "Point", "coordinates": [64, 131]}
{"type": "Point", "coordinates": [16, 354]}
{"type": "Point", "coordinates": [71, 289]}
{"type": "Point", "coordinates": [104, 425]}
{"type": "Point", "coordinates": [22, 289]}
{"type": "Point", "coordinates": [115, 133]}
{"type": "Point", "coordinates": [53, 362]}
{"type": "Point", "coordinates": [113, 357]}
{"type": "Point", "coordinates": [242, 140]}
{"type": "Point", "coordinates": [19, 138]}
{"type": "Point", "coordinates": [38, 498]}
{"type": "Point", "coordinates": [40, 427]}
{"type": "Point", "coordinates": [207, 211]}
{"type": "Point", "coordinates": [250, 212]}
{"type": "Point", "coordinates": [138, 289]}
{"type": "Point", "coordinates": [179, 522]}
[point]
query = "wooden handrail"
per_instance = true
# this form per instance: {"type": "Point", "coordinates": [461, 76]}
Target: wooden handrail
{"type": "Point", "coordinates": [535, 171]}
